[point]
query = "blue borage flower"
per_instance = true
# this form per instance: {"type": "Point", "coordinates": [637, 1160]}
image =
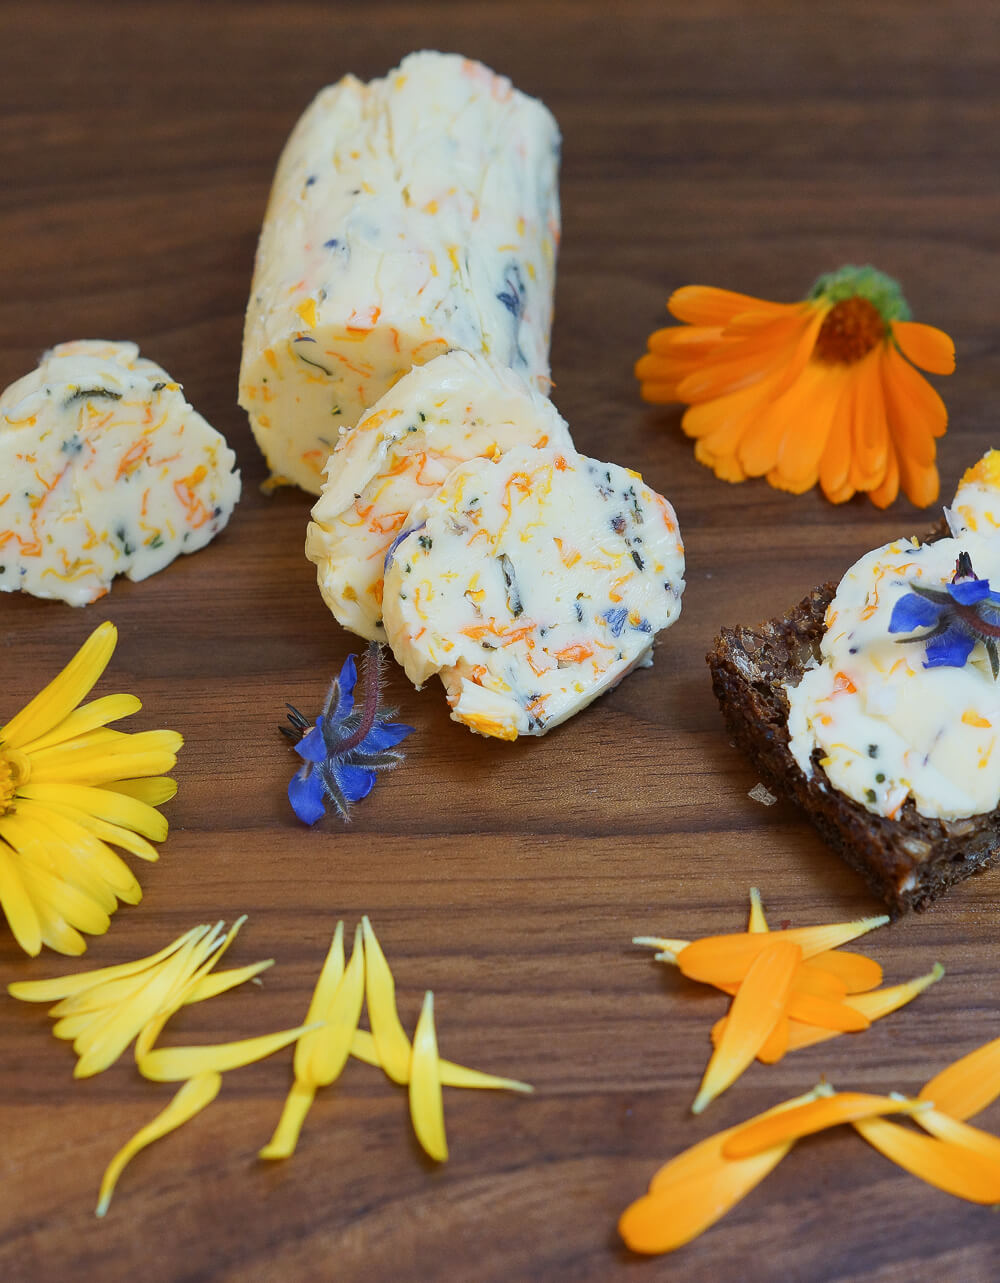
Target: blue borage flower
{"type": "Point", "coordinates": [346, 746]}
{"type": "Point", "coordinates": [963, 613]}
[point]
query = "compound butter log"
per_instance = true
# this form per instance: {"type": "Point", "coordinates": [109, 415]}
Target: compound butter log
{"type": "Point", "coordinates": [455, 408]}
{"type": "Point", "coordinates": [408, 217]}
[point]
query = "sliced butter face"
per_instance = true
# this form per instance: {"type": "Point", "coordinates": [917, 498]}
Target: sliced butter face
{"type": "Point", "coordinates": [457, 407]}
{"type": "Point", "coordinates": [104, 470]}
{"type": "Point", "coordinates": [531, 585]}
{"type": "Point", "coordinates": [409, 216]}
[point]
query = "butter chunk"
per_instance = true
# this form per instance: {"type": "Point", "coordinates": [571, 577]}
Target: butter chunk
{"type": "Point", "coordinates": [408, 217]}
{"type": "Point", "coordinates": [455, 408]}
{"type": "Point", "coordinates": [105, 470]}
{"type": "Point", "coordinates": [531, 585]}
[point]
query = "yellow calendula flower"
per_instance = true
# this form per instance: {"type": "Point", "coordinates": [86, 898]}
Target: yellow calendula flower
{"type": "Point", "coordinates": [71, 789]}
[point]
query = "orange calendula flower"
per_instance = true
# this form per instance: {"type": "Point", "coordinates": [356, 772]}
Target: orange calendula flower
{"type": "Point", "coordinates": [821, 390]}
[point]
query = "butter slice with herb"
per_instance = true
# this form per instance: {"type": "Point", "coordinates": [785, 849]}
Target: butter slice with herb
{"type": "Point", "coordinates": [531, 585]}
{"type": "Point", "coordinates": [455, 408]}
{"type": "Point", "coordinates": [408, 217]}
{"type": "Point", "coordinates": [104, 470]}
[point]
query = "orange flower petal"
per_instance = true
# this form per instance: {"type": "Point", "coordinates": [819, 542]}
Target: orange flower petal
{"type": "Point", "coordinates": [659, 393]}
{"type": "Point", "coordinates": [726, 958]}
{"type": "Point", "coordinates": [968, 1085]}
{"type": "Point", "coordinates": [944, 1127]}
{"type": "Point", "coordinates": [886, 492]}
{"type": "Point", "coordinates": [775, 1045]}
{"type": "Point", "coordinates": [925, 345]}
{"type": "Point", "coordinates": [686, 342]}
{"type": "Point", "coordinates": [706, 305]}
{"type": "Point", "coordinates": [812, 1010]}
{"type": "Point", "coordinates": [916, 399]}
{"type": "Point", "coordinates": [857, 972]}
{"type": "Point", "coordinates": [910, 424]}
{"type": "Point", "coordinates": [874, 1005]}
{"type": "Point", "coordinates": [806, 1119]}
{"type": "Point", "coordinates": [695, 1189]}
{"type": "Point", "coordinates": [869, 428]}
{"type": "Point", "coordinates": [756, 1009]}
{"type": "Point", "coordinates": [949, 1167]}
{"type": "Point", "coordinates": [835, 462]}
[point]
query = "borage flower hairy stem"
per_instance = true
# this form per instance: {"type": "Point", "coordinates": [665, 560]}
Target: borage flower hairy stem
{"type": "Point", "coordinates": [823, 390]}
{"type": "Point", "coordinates": [70, 790]}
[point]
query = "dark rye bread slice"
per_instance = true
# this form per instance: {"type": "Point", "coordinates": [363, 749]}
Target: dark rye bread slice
{"type": "Point", "coordinates": [907, 862]}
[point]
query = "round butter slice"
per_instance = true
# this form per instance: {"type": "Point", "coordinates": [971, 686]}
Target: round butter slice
{"type": "Point", "coordinates": [455, 408]}
{"type": "Point", "coordinates": [531, 585]}
{"type": "Point", "coordinates": [105, 470]}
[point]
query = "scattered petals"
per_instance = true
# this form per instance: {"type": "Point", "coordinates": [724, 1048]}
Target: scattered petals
{"type": "Point", "coordinates": [969, 1085]}
{"type": "Point", "coordinates": [814, 1116]}
{"type": "Point", "coordinates": [391, 1042]}
{"type": "Point", "coordinates": [70, 789]}
{"type": "Point", "coordinates": [953, 1168]}
{"type": "Point", "coordinates": [171, 1064]}
{"type": "Point", "coordinates": [190, 1100]}
{"type": "Point", "coordinates": [426, 1104]}
{"type": "Point", "coordinates": [757, 1008]}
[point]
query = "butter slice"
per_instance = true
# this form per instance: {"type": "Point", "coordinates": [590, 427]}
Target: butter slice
{"type": "Point", "coordinates": [105, 470]}
{"type": "Point", "coordinates": [408, 217]}
{"type": "Point", "coordinates": [531, 585]}
{"type": "Point", "coordinates": [455, 408]}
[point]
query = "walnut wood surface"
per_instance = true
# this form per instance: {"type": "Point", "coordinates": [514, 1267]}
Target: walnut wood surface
{"type": "Point", "coordinates": [748, 145]}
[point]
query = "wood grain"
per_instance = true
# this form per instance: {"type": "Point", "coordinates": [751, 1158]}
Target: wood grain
{"type": "Point", "coordinates": [747, 145]}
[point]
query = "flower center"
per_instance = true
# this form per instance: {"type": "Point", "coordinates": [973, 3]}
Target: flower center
{"type": "Point", "coordinates": [14, 771]}
{"type": "Point", "coordinates": [850, 330]}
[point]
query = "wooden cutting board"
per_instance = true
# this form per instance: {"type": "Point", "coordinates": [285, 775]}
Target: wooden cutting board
{"type": "Point", "coordinates": [750, 146]}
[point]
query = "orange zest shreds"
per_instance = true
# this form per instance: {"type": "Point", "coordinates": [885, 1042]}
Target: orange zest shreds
{"type": "Point", "coordinates": [757, 922]}
{"type": "Point", "coordinates": [391, 1043]}
{"type": "Point", "coordinates": [874, 1005]}
{"type": "Point", "coordinates": [452, 1075]}
{"type": "Point", "coordinates": [815, 1116]}
{"type": "Point", "coordinates": [811, 1010]}
{"type": "Point", "coordinates": [944, 1127]}
{"type": "Point", "coordinates": [969, 1085]}
{"type": "Point", "coordinates": [426, 1104]}
{"type": "Point", "coordinates": [725, 959]}
{"type": "Point", "coordinates": [855, 971]}
{"type": "Point", "coordinates": [190, 1100]}
{"type": "Point", "coordinates": [756, 1009]}
{"type": "Point", "coordinates": [694, 1190]}
{"type": "Point", "coordinates": [820, 391]}
{"type": "Point", "coordinates": [953, 1168]}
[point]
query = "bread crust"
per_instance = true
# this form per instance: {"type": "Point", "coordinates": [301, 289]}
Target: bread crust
{"type": "Point", "coordinates": [909, 861]}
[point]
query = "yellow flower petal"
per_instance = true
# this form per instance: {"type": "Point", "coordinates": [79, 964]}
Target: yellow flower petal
{"type": "Point", "coordinates": [330, 976]}
{"type": "Point", "coordinates": [147, 753]}
{"type": "Point", "coordinates": [856, 972]}
{"type": "Point", "coordinates": [87, 846]}
{"type": "Point", "coordinates": [190, 1100]}
{"type": "Point", "coordinates": [328, 1053]}
{"type": "Point", "coordinates": [155, 790]}
{"type": "Point", "coordinates": [170, 1064]}
{"type": "Point", "coordinates": [391, 1042]}
{"type": "Point", "coordinates": [726, 958]}
{"type": "Point", "coordinates": [88, 717]}
{"type": "Point", "coordinates": [298, 1102]}
{"type": "Point", "coordinates": [814, 1116]}
{"type": "Point", "coordinates": [953, 1168]}
{"type": "Point", "coordinates": [756, 1009]}
{"type": "Point", "coordinates": [452, 1075]}
{"type": "Point", "coordinates": [20, 912]}
{"type": "Point", "coordinates": [211, 986]}
{"type": "Point", "coordinates": [101, 804]}
{"type": "Point", "coordinates": [969, 1085]}
{"type": "Point", "coordinates": [426, 1104]}
{"type": "Point", "coordinates": [61, 696]}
